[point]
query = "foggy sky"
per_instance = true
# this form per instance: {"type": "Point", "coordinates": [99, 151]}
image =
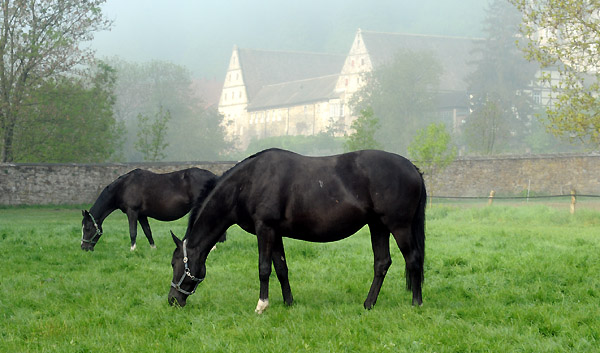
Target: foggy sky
{"type": "Point", "coordinates": [200, 34]}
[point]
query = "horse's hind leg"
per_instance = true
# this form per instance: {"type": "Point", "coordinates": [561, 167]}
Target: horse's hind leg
{"type": "Point", "coordinates": [146, 228]}
{"type": "Point", "coordinates": [132, 217]}
{"type": "Point", "coordinates": [380, 241]}
{"type": "Point", "coordinates": [414, 263]}
{"type": "Point", "coordinates": [280, 264]}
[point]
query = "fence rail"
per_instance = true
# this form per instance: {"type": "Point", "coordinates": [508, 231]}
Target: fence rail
{"type": "Point", "coordinates": [510, 197]}
{"type": "Point", "coordinates": [574, 198]}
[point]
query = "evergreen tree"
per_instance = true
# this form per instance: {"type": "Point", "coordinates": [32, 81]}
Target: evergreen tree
{"type": "Point", "coordinates": [502, 107]}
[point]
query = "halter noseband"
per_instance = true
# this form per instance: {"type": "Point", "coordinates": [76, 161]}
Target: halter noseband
{"type": "Point", "coordinates": [97, 235]}
{"type": "Point", "coordinates": [187, 272]}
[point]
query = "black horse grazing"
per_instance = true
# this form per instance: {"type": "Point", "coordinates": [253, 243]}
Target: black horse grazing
{"type": "Point", "coordinates": [277, 193]}
{"type": "Point", "coordinates": [141, 194]}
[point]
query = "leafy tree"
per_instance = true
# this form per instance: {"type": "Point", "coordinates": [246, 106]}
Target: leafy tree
{"type": "Point", "coordinates": [151, 136]}
{"type": "Point", "coordinates": [39, 42]}
{"type": "Point", "coordinates": [194, 131]}
{"type": "Point", "coordinates": [199, 136]}
{"type": "Point", "coordinates": [402, 95]}
{"type": "Point", "coordinates": [432, 148]}
{"type": "Point", "coordinates": [502, 111]}
{"type": "Point", "coordinates": [564, 36]}
{"type": "Point", "coordinates": [488, 128]}
{"type": "Point", "coordinates": [365, 126]}
{"type": "Point", "coordinates": [69, 120]}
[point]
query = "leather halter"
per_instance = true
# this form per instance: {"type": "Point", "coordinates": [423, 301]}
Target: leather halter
{"type": "Point", "coordinates": [93, 240]}
{"type": "Point", "coordinates": [187, 273]}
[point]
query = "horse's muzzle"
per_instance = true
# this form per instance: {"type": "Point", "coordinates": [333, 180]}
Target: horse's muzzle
{"type": "Point", "coordinates": [176, 299]}
{"type": "Point", "coordinates": [87, 247]}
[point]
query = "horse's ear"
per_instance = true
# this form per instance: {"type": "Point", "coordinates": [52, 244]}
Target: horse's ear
{"type": "Point", "coordinates": [84, 212]}
{"type": "Point", "coordinates": [176, 240]}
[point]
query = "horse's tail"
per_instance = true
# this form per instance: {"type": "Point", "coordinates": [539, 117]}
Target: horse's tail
{"type": "Point", "coordinates": [415, 272]}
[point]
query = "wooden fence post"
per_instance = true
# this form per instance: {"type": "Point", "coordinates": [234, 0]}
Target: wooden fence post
{"type": "Point", "coordinates": [573, 201]}
{"type": "Point", "coordinates": [491, 197]}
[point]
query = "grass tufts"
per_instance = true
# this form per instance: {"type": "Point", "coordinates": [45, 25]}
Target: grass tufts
{"type": "Point", "coordinates": [499, 278]}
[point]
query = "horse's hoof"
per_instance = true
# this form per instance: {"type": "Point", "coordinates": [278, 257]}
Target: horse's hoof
{"type": "Point", "coordinates": [133, 247]}
{"type": "Point", "coordinates": [261, 306]}
{"type": "Point", "coordinates": [153, 246]}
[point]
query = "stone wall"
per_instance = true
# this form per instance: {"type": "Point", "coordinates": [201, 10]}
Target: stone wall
{"type": "Point", "coordinates": [39, 184]}
{"type": "Point", "coordinates": [42, 184]}
{"type": "Point", "coordinates": [511, 176]}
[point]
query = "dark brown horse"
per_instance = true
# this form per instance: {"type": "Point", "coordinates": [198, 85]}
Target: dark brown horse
{"type": "Point", "coordinates": [278, 193]}
{"type": "Point", "coordinates": [141, 194]}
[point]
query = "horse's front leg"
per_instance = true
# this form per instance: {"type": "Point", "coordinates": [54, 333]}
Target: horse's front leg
{"type": "Point", "coordinates": [132, 217]}
{"type": "Point", "coordinates": [380, 242]}
{"type": "Point", "coordinates": [265, 236]}
{"type": "Point", "coordinates": [146, 228]}
{"type": "Point", "coordinates": [280, 264]}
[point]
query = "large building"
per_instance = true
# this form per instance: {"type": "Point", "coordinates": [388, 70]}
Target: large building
{"type": "Point", "coordinates": [270, 93]}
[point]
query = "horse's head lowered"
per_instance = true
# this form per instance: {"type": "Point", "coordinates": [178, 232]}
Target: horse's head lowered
{"type": "Point", "coordinates": [187, 274]}
{"type": "Point", "coordinates": [90, 231]}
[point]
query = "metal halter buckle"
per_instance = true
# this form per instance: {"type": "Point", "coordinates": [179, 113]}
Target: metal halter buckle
{"type": "Point", "coordinates": [187, 273]}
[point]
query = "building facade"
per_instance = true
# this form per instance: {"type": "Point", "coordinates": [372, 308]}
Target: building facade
{"type": "Point", "coordinates": [270, 93]}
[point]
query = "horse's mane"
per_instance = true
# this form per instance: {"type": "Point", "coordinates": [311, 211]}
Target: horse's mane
{"type": "Point", "coordinates": [208, 188]}
{"type": "Point", "coordinates": [214, 184]}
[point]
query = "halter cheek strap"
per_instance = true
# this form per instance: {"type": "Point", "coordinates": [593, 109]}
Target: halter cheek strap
{"type": "Point", "coordinates": [187, 273]}
{"type": "Point", "coordinates": [94, 239]}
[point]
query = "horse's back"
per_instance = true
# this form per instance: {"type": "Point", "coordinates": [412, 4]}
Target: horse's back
{"type": "Point", "coordinates": [334, 195]}
{"type": "Point", "coordinates": [163, 196]}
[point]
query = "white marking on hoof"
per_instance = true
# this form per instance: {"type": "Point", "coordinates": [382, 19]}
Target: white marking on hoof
{"type": "Point", "coordinates": [133, 247]}
{"type": "Point", "coordinates": [261, 306]}
{"type": "Point", "coordinates": [153, 246]}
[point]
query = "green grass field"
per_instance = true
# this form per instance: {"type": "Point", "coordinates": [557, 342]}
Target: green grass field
{"type": "Point", "coordinates": [497, 279]}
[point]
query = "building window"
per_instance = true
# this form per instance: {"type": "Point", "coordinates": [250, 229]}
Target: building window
{"type": "Point", "coordinates": [537, 97]}
{"type": "Point", "coordinates": [334, 110]}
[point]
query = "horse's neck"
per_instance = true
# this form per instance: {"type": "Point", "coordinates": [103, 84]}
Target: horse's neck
{"type": "Point", "coordinates": [217, 214]}
{"type": "Point", "coordinates": [103, 207]}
